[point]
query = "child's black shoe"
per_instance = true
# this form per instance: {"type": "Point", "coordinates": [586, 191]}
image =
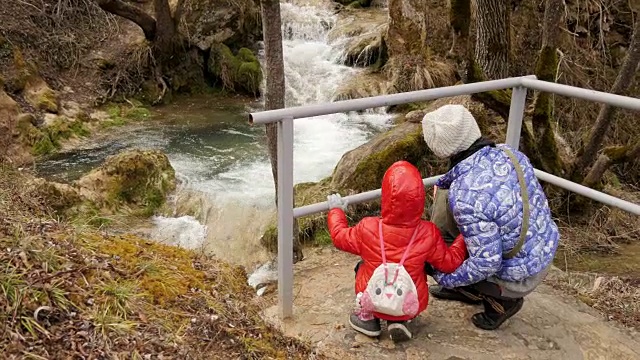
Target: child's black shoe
{"type": "Point", "coordinates": [366, 327]}
{"type": "Point", "coordinates": [399, 331]}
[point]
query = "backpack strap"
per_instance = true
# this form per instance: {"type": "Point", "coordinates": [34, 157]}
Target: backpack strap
{"type": "Point", "coordinates": [524, 194]}
{"type": "Point", "coordinates": [384, 256]}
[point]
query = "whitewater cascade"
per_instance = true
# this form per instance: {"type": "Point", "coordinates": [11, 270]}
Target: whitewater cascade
{"type": "Point", "coordinates": [242, 197]}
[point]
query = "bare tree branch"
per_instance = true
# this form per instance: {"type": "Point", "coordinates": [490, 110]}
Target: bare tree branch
{"type": "Point", "coordinates": [133, 13]}
{"type": "Point", "coordinates": [605, 116]}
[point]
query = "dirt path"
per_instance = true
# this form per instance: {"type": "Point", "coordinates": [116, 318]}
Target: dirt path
{"type": "Point", "coordinates": [551, 325]}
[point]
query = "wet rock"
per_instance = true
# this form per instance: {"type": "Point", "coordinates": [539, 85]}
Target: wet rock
{"type": "Point", "coordinates": [60, 197]}
{"type": "Point", "coordinates": [40, 95]}
{"type": "Point", "coordinates": [360, 34]}
{"type": "Point", "coordinates": [133, 178]}
{"type": "Point", "coordinates": [362, 168]}
{"type": "Point", "coordinates": [313, 227]}
{"type": "Point", "coordinates": [235, 23]}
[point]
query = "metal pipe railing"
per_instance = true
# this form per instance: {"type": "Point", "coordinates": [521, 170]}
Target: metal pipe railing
{"type": "Point", "coordinates": [625, 102]}
{"type": "Point", "coordinates": [269, 116]}
{"type": "Point", "coordinates": [351, 199]}
{"type": "Point", "coordinates": [285, 117]}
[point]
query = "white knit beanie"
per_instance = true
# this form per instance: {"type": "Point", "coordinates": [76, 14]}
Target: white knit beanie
{"type": "Point", "coordinates": [449, 130]}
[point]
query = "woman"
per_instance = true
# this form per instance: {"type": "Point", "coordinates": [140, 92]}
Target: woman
{"type": "Point", "coordinates": [491, 196]}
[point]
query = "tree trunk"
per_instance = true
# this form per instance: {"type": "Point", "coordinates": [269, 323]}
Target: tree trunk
{"type": "Point", "coordinates": [275, 86]}
{"type": "Point", "coordinates": [544, 148]}
{"type": "Point", "coordinates": [460, 21]}
{"type": "Point", "coordinates": [493, 37]}
{"type": "Point", "coordinates": [275, 93]}
{"type": "Point", "coordinates": [166, 41]}
{"type": "Point", "coordinates": [133, 13]}
{"type": "Point", "coordinates": [598, 132]}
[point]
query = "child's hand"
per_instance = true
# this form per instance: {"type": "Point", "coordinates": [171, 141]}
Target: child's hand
{"type": "Point", "coordinates": [336, 201]}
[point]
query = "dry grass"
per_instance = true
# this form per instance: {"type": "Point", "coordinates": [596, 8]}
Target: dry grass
{"type": "Point", "coordinates": [409, 73]}
{"type": "Point", "coordinates": [618, 298]}
{"type": "Point", "coordinates": [55, 32]}
{"type": "Point", "coordinates": [69, 292]}
{"type": "Point", "coordinates": [602, 231]}
{"type": "Point", "coordinates": [127, 77]}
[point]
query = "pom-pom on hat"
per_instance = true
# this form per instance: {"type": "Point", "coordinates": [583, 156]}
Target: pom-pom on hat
{"type": "Point", "coordinates": [449, 130]}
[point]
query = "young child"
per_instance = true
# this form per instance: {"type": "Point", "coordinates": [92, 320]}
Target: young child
{"type": "Point", "coordinates": [391, 283]}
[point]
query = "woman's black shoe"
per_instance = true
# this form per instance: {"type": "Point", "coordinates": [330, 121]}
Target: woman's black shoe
{"type": "Point", "coordinates": [492, 318]}
{"type": "Point", "coordinates": [462, 295]}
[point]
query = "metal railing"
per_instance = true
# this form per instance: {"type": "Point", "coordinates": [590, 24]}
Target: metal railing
{"type": "Point", "coordinates": [519, 85]}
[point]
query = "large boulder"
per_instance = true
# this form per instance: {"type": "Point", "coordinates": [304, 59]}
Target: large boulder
{"type": "Point", "coordinates": [233, 23]}
{"type": "Point", "coordinates": [133, 182]}
{"type": "Point", "coordinates": [135, 178]}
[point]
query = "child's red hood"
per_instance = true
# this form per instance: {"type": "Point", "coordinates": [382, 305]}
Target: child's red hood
{"type": "Point", "coordinates": [403, 195]}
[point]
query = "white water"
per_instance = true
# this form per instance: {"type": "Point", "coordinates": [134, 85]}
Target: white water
{"type": "Point", "coordinates": [242, 196]}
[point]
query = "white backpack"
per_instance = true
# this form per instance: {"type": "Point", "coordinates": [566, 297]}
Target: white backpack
{"type": "Point", "coordinates": [391, 288]}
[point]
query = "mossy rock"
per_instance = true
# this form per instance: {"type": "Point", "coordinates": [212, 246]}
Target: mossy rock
{"type": "Point", "coordinates": [241, 72]}
{"type": "Point", "coordinates": [120, 114]}
{"type": "Point", "coordinates": [41, 96]}
{"type": "Point", "coordinates": [133, 178]}
{"type": "Point", "coordinates": [362, 169]}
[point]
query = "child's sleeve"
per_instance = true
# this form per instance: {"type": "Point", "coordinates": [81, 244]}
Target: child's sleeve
{"type": "Point", "coordinates": [344, 237]}
{"type": "Point", "coordinates": [442, 258]}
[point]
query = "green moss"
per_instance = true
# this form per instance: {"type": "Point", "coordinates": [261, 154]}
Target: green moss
{"type": "Point", "coordinates": [113, 110]}
{"type": "Point", "coordinates": [121, 114]}
{"type": "Point", "coordinates": [137, 177]}
{"type": "Point", "coordinates": [322, 237]}
{"type": "Point", "coordinates": [241, 72]}
{"type": "Point", "coordinates": [250, 77]}
{"type": "Point", "coordinates": [43, 146]}
{"type": "Point", "coordinates": [47, 101]}
{"type": "Point", "coordinates": [616, 153]}
{"type": "Point", "coordinates": [269, 239]}
{"type": "Point", "coordinates": [547, 64]}
{"type": "Point", "coordinates": [137, 113]}
{"type": "Point", "coordinates": [78, 129]}
{"type": "Point", "coordinates": [305, 194]}
{"type": "Point", "coordinates": [497, 100]}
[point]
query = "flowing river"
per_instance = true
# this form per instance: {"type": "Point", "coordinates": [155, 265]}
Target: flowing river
{"type": "Point", "coordinates": [219, 157]}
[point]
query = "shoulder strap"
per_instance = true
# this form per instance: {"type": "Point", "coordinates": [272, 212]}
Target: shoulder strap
{"type": "Point", "coordinates": [384, 255]}
{"type": "Point", "coordinates": [524, 194]}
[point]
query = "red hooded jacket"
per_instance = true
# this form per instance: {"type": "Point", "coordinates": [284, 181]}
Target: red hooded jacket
{"type": "Point", "coordinates": [403, 198]}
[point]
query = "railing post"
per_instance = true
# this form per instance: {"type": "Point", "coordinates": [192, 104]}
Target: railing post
{"type": "Point", "coordinates": [516, 115]}
{"type": "Point", "coordinates": [285, 217]}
